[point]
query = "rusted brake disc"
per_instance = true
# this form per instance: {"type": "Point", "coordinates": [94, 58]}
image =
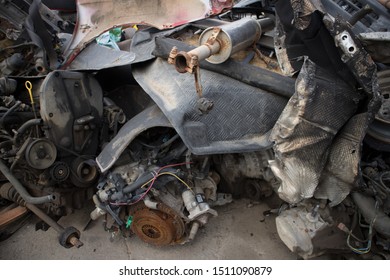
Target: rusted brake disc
{"type": "Point", "coordinates": [158, 227]}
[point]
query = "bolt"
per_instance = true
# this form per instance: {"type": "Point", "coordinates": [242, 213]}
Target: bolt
{"type": "Point", "coordinates": [75, 242]}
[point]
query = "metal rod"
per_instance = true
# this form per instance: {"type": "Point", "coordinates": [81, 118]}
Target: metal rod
{"type": "Point", "coordinates": [21, 189]}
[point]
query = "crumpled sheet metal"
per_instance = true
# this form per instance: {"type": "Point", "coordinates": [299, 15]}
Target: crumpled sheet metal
{"type": "Point", "coordinates": [321, 105]}
{"type": "Point", "coordinates": [342, 168]}
{"type": "Point", "coordinates": [240, 120]}
{"type": "Point", "coordinates": [95, 17]}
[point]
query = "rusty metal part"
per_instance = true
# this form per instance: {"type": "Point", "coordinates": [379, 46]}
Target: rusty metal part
{"type": "Point", "coordinates": [198, 84]}
{"type": "Point", "coordinates": [217, 44]}
{"type": "Point", "coordinates": [189, 61]}
{"type": "Point", "coordinates": [12, 215]}
{"type": "Point", "coordinates": [68, 237]}
{"type": "Point", "coordinates": [158, 227]}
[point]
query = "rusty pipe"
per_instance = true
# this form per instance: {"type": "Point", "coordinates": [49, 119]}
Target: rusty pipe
{"type": "Point", "coordinates": [217, 44]}
{"type": "Point", "coordinates": [186, 61]}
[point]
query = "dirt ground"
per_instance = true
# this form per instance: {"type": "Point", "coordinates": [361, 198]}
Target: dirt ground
{"type": "Point", "coordinates": [240, 232]}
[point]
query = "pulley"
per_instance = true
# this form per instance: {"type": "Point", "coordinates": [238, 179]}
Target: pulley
{"type": "Point", "coordinates": [41, 153]}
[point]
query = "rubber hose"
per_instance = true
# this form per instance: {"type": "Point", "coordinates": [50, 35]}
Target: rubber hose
{"type": "Point", "coordinates": [12, 109]}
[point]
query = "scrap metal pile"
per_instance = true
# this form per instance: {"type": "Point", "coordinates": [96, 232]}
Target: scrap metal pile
{"type": "Point", "coordinates": [161, 111]}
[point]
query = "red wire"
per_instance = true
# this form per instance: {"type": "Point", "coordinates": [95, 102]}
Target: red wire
{"type": "Point", "coordinates": [151, 183]}
{"type": "Point", "coordinates": [173, 165]}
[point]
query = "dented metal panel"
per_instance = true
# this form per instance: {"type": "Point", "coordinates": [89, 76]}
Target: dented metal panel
{"type": "Point", "coordinates": [95, 17]}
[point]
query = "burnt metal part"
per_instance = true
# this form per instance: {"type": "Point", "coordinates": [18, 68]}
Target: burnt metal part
{"type": "Point", "coordinates": [305, 130]}
{"type": "Point", "coordinates": [218, 131]}
{"type": "Point", "coordinates": [378, 133]}
{"type": "Point", "coordinates": [21, 189]}
{"type": "Point", "coordinates": [360, 64]}
{"type": "Point", "coordinates": [342, 168]}
{"type": "Point", "coordinates": [71, 104]}
{"type": "Point", "coordinates": [158, 227]}
{"type": "Point", "coordinates": [150, 117]}
{"type": "Point", "coordinates": [314, 41]}
{"type": "Point", "coordinates": [358, 61]}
